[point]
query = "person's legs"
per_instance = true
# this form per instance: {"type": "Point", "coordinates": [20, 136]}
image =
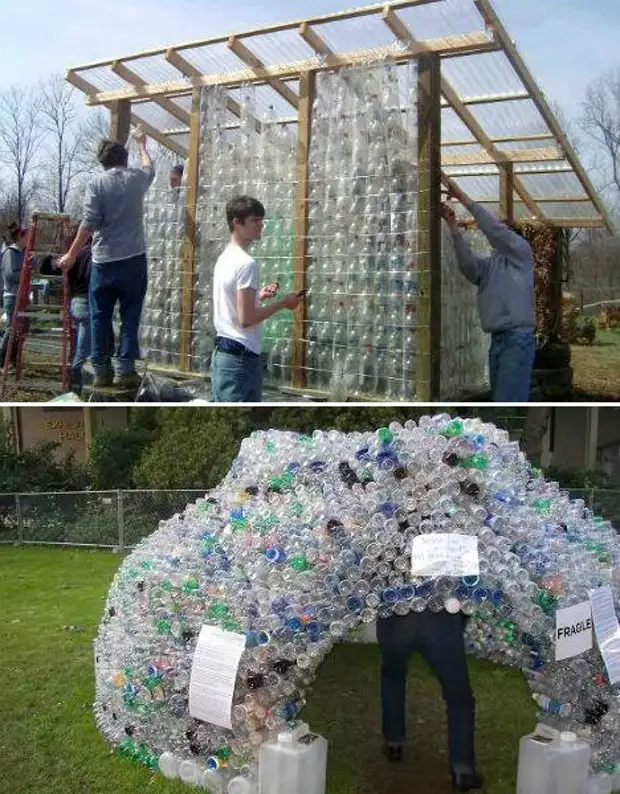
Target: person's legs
{"type": "Point", "coordinates": [9, 307]}
{"type": "Point", "coordinates": [102, 299]}
{"type": "Point", "coordinates": [131, 277]}
{"type": "Point", "coordinates": [235, 379]}
{"type": "Point", "coordinates": [396, 636]}
{"type": "Point", "coordinates": [442, 645]}
{"type": "Point", "coordinates": [495, 352]}
{"type": "Point", "coordinates": [81, 314]}
{"type": "Point", "coordinates": [514, 376]}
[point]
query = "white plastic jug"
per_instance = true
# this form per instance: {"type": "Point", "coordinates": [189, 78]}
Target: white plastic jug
{"type": "Point", "coordinates": [535, 770]}
{"type": "Point", "coordinates": [571, 765]}
{"type": "Point", "coordinates": [242, 785]}
{"type": "Point", "coordinates": [600, 784]}
{"type": "Point", "coordinates": [293, 765]}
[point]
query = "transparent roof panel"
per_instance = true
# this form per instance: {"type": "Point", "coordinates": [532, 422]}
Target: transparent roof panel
{"type": "Point", "coordinates": [562, 185]}
{"type": "Point", "coordinates": [483, 74]}
{"type": "Point", "coordinates": [285, 46]}
{"type": "Point", "coordinates": [360, 33]}
{"type": "Point", "coordinates": [436, 20]}
{"type": "Point", "coordinates": [510, 118]}
{"type": "Point", "coordinates": [155, 70]}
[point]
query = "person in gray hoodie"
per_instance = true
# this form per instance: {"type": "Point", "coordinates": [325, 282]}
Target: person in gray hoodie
{"type": "Point", "coordinates": [506, 296]}
{"type": "Point", "coordinates": [12, 261]}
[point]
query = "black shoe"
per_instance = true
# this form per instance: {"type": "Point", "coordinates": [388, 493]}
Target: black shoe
{"type": "Point", "coordinates": [393, 752]}
{"type": "Point", "coordinates": [467, 781]}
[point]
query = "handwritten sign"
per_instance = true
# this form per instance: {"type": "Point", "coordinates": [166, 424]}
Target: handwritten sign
{"type": "Point", "coordinates": [607, 630]}
{"type": "Point", "coordinates": [444, 554]}
{"type": "Point", "coordinates": [214, 674]}
{"type": "Point", "coordinates": [573, 631]}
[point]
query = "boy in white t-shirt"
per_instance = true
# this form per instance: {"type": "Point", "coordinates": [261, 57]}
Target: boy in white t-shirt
{"type": "Point", "coordinates": [236, 374]}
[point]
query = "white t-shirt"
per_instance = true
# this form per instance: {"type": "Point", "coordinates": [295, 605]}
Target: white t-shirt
{"type": "Point", "coordinates": [235, 270]}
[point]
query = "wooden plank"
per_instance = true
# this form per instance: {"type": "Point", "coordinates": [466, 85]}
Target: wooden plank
{"type": "Point", "coordinates": [428, 253]}
{"type": "Point", "coordinates": [300, 215]}
{"type": "Point", "coordinates": [444, 46]}
{"type": "Point", "coordinates": [134, 79]}
{"type": "Point", "coordinates": [188, 259]}
{"type": "Point", "coordinates": [501, 139]}
{"type": "Point", "coordinates": [339, 16]}
{"type": "Point", "coordinates": [578, 223]}
{"type": "Point", "coordinates": [549, 154]}
{"type": "Point", "coordinates": [492, 99]}
{"type": "Point", "coordinates": [493, 21]}
{"type": "Point", "coordinates": [312, 38]}
{"type": "Point", "coordinates": [258, 67]}
{"type": "Point", "coordinates": [507, 192]}
{"type": "Point", "coordinates": [120, 120]}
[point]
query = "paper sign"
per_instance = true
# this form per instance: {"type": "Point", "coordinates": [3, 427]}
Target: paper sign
{"type": "Point", "coordinates": [573, 631]}
{"type": "Point", "coordinates": [214, 673]}
{"type": "Point", "coordinates": [444, 554]}
{"type": "Point", "coordinates": [607, 630]}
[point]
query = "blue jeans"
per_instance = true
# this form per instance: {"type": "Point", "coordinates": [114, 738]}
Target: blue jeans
{"type": "Point", "coordinates": [511, 360]}
{"type": "Point", "coordinates": [81, 314]}
{"type": "Point", "coordinates": [236, 379]}
{"type": "Point", "coordinates": [9, 307]}
{"type": "Point", "coordinates": [439, 638]}
{"type": "Point", "coordinates": [123, 281]}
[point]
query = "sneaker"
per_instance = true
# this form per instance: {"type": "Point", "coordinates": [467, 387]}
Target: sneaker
{"type": "Point", "coordinates": [393, 751]}
{"type": "Point", "coordinates": [467, 781]}
{"type": "Point", "coordinates": [128, 380]}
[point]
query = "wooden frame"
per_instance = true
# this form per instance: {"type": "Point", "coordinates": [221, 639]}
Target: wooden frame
{"type": "Point", "coordinates": [428, 248]}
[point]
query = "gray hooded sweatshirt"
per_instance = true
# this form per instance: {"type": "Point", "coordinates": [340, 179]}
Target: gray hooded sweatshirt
{"type": "Point", "coordinates": [505, 280]}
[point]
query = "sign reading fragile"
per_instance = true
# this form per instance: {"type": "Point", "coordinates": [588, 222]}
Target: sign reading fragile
{"type": "Point", "coordinates": [573, 631]}
{"type": "Point", "coordinates": [445, 554]}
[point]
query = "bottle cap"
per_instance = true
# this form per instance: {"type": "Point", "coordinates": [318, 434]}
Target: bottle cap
{"type": "Point", "coordinates": [568, 736]}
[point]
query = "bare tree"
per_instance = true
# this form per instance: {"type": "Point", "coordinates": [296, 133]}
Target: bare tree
{"type": "Point", "coordinates": [66, 142]}
{"type": "Point", "coordinates": [601, 121]}
{"type": "Point", "coordinates": [20, 136]}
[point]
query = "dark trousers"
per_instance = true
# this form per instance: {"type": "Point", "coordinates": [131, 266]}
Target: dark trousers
{"type": "Point", "coordinates": [124, 281]}
{"type": "Point", "coordinates": [511, 359]}
{"type": "Point", "coordinates": [439, 638]}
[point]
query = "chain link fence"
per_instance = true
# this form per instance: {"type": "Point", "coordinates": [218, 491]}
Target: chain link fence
{"type": "Point", "coordinates": [120, 519]}
{"type": "Point", "coordinates": [104, 519]}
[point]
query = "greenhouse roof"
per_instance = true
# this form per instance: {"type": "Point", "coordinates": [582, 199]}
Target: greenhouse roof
{"type": "Point", "coordinates": [493, 112]}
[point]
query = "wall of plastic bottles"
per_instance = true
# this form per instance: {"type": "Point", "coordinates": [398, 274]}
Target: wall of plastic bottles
{"type": "Point", "coordinates": [307, 538]}
{"type": "Point", "coordinates": [363, 297]}
{"type": "Point", "coordinates": [164, 220]}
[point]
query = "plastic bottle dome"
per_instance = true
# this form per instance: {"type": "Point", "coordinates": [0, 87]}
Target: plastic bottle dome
{"type": "Point", "coordinates": [307, 538]}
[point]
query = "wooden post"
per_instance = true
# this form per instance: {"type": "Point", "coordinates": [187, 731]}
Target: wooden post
{"type": "Point", "coordinates": [120, 120]}
{"type": "Point", "coordinates": [428, 259]}
{"type": "Point", "coordinates": [88, 431]}
{"type": "Point", "coordinates": [507, 192]}
{"type": "Point", "coordinates": [300, 221]}
{"type": "Point", "coordinates": [188, 259]}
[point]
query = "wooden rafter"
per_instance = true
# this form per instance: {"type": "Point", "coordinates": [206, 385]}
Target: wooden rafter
{"type": "Point", "coordinates": [502, 139]}
{"type": "Point", "coordinates": [167, 104]}
{"type": "Point", "coordinates": [258, 67]}
{"type": "Point", "coordinates": [549, 154]}
{"type": "Point", "coordinates": [492, 99]}
{"type": "Point", "coordinates": [493, 21]}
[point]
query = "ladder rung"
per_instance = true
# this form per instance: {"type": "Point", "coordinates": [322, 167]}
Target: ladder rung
{"type": "Point", "coordinates": [51, 307]}
{"type": "Point", "coordinates": [40, 315]}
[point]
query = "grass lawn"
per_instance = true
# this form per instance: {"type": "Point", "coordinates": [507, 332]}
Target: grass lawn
{"type": "Point", "coordinates": [597, 368]}
{"type": "Point", "coordinates": [49, 743]}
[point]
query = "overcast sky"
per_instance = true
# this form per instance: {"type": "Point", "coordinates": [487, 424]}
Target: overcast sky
{"type": "Point", "coordinates": [566, 43]}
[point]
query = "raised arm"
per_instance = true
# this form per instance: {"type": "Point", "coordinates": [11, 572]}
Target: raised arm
{"type": "Point", "coordinates": [470, 265]}
{"type": "Point", "coordinates": [501, 236]}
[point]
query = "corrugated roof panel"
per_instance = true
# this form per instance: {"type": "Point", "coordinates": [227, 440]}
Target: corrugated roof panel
{"type": "Point", "coordinates": [452, 128]}
{"type": "Point", "coordinates": [483, 74]}
{"type": "Point", "coordinates": [360, 33]}
{"type": "Point", "coordinates": [510, 118]}
{"type": "Point", "coordinates": [436, 20]}
{"type": "Point", "coordinates": [214, 59]}
{"type": "Point", "coordinates": [286, 46]}
{"type": "Point", "coordinates": [479, 188]}
{"type": "Point", "coordinates": [551, 185]}
{"type": "Point", "coordinates": [104, 79]}
{"type": "Point", "coordinates": [581, 209]}
{"type": "Point", "coordinates": [155, 70]}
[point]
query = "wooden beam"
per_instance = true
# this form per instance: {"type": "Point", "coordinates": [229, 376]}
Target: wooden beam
{"type": "Point", "coordinates": [188, 259]}
{"type": "Point", "coordinates": [501, 139]}
{"type": "Point", "coordinates": [465, 43]}
{"type": "Point", "coordinates": [549, 154]}
{"type": "Point", "coordinates": [134, 79]}
{"type": "Point", "coordinates": [120, 120]}
{"type": "Point", "coordinates": [312, 38]}
{"type": "Point", "coordinates": [428, 249]}
{"type": "Point", "coordinates": [577, 223]}
{"type": "Point", "coordinates": [258, 67]}
{"type": "Point", "coordinates": [493, 21]}
{"type": "Point", "coordinates": [300, 215]}
{"type": "Point", "coordinates": [492, 99]}
{"type": "Point", "coordinates": [290, 71]}
{"type": "Point", "coordinates": [507, 192]}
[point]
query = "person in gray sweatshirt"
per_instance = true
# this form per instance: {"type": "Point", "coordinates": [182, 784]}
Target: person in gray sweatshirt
{"type": "Point", "coordinates": [506, 296]}
{"type": "Point", "coordinates": [12, 262]}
